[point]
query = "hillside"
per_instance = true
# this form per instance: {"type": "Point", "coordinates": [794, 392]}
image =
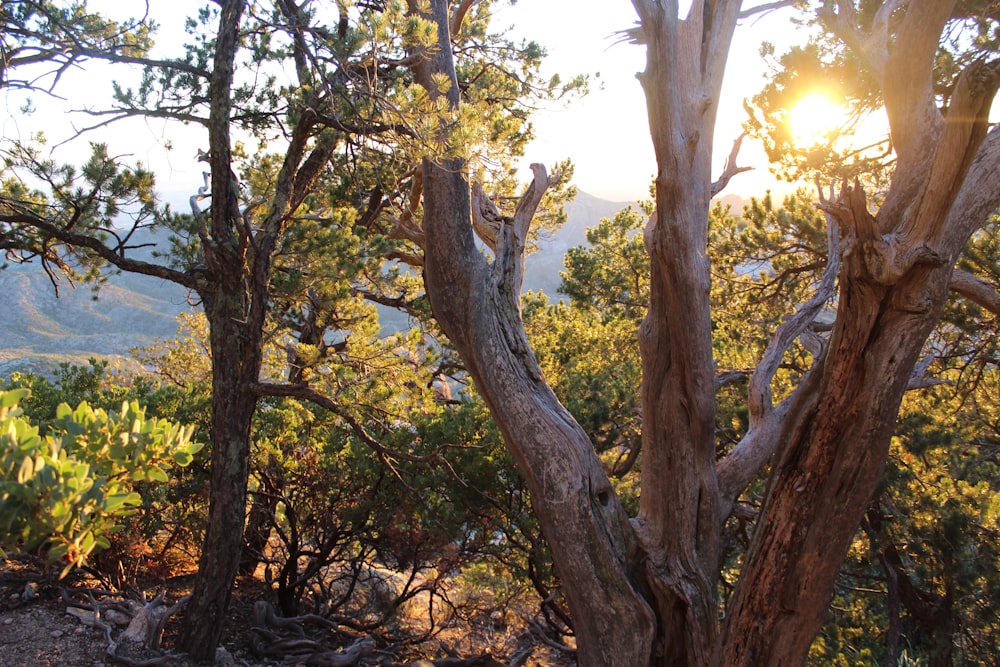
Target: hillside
{"type": "Point", "coordinates": [38, 330]}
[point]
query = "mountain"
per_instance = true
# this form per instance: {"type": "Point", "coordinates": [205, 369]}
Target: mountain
{"type": "Point", "coordinates": [542, 268]}
{"type": "Point", "coordinates": [39, 330]}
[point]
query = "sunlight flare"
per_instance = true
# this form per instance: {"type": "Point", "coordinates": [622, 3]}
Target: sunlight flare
{"type": "Point", "coordinates": [815, 119]}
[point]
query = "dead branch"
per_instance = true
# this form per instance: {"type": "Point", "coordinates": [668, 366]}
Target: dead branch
{"type": "Point", "coordinates": [730, 169]}
{"type": "Point", "coordinates": [139, 644]}
{"type": "Point", "coordinates": [978, 291]}
{"type": "Point", "coordinates": [487, 221]}
{"type": "Point", "coordinates": [508, 269]}
{"type": "Point", "coordinates": [737, 468]}
{"type": "Point", "coordinates": [884, 258]}
{"type": "Point", "coordinates": [299, 649]}
{"type": "Point", "coordinates": [541, 635]}
{"type": "Point", "coordinates": [918, 377]}
{"type": "Point", "coordinates": [765, 8]}
{"type": "Point", "coordinates": [265, 616]}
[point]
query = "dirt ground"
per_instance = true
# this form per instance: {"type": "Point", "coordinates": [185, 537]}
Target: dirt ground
{"type": "Point", "coordinates": [37, 631]}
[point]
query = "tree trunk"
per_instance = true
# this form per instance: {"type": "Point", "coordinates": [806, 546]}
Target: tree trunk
{"type": "Point", "coordinates": [477, 305]}
{"type": "Point", "coordinates": [581, 517]}
{"type": "Point", "coordinates": [679, 508]}
{"type": "Point", "coordinates": [893, 286]}
{"type": "Point", "coordinates": [835, 444]}
{"type": "Point", "coordinates": [236, 358]}
{"type": "Point", "coordinates": [655, 602]}
{"type": "Point", "coordinates": [236, 364]}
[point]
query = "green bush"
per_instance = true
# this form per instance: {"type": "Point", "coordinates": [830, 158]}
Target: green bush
{"type": "Point", "coordinates": [64, 493]}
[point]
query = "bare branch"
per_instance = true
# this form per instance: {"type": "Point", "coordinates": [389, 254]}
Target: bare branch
{"type": "Point", "coordinates": [110, 255]}
{"type": "Point", "coordinates": [459, 16]}
{"type": "Point", "coordinates": [487, 221]}
{"type": "Point", "coordinates": [766, 7]}
{"type": "Point", "coordinates": [739, 467]}
{"type": "Point", "coordinates": [873, 47]}
{"type": "Point", "coordinates": [978, 291]}
{"type": "Point", "coordinates": [508, 267]}
{"type": "Point", "coordinates": [918, 377]}
{"type": "Point", "coordinates": [730, 169]}
{"type": "Point", "coordinates": [979, 197]}
{"type": "Point", "coordinates": [405, 227]}
{"type": "Point", "coordinates": [885, 258]}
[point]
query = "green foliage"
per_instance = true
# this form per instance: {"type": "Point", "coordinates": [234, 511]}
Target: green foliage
{"type": "Point", "coordinates": [42, 39]}
{"type": "Point", "coordinates": [65, 492]}
{"type": "Point", "coordinates": [611, 276]}
{"type": "Point", "coordinates": [825, 65]}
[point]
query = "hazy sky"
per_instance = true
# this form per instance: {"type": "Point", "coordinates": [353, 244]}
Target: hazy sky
{"type": "Point", "coordinates": [606, 133]}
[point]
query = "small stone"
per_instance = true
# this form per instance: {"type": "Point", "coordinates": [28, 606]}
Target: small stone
{"type": "Point", "coordinates": [30, 591]}
{"type": "Point", "coordinates": [84, 616]}
{"type": "Point", "coordinates": [8, 621]}
{"type": "Point", "coordinates": [56, 634]}
{"type": "Point", "coordinates": [223, 657]}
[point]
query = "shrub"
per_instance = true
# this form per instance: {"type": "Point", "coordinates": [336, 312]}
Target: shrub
{"type": "Point", "coordinates": [65, 493]}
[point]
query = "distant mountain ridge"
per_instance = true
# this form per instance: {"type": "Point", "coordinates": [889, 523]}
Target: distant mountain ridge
{"type": "Point", "coordinates": [38, 330]}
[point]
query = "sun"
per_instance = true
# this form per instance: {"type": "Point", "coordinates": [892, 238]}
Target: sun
{"type": "Point", "coordinates": [815, 119]}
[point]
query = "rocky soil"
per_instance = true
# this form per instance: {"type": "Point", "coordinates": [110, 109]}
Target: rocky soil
{"type": "Point", "coordinates": [43, 623]}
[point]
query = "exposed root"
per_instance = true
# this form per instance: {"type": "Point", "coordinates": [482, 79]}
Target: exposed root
{"type": "Point", "coordinates": [270, 640]}
{"type": "Point", "coordinates": [139, 644]}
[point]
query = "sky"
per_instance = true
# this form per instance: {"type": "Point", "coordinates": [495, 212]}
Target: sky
{"type": "Point", "coordinates": [605, 133]}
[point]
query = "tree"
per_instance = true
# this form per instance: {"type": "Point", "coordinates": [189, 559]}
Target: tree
{"type": "Point", "coordinates": [330, 88]}
{"type": "Point", "coordinates": [644, 591]}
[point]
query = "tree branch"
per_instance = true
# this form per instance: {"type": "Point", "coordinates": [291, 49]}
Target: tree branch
{"type": "Point", "coordinates": [508, 267]}
{"type": "Point", "coordinates": [106, 253]}
{"type": "Point", "coordinates": [978, 291]}
{"type": "Point", "coordinates": [459, 16]}
{"type": "Point", "coordinates": [730, 168]}
{"type": "Point", "coordinates": [766, 7]}
{"type": "Point", "coordinates": [739, 467]}
{"type": "Point", "coordinates": [979, 197]}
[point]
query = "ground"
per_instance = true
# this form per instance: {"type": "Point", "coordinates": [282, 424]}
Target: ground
{"type": "Point", "coordinates": [37, 631]}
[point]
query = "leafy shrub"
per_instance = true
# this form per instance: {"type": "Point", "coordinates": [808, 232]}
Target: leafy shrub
{"type": "Point", "coordinates": [66, 492]}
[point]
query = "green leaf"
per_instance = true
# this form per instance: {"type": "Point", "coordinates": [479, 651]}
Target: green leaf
{"type": "Point", "coordinates": [115, 503]}
{"type": "Point", "coordinates": [10, 399]}
{"type": "Point", "coordinates": [182, 457]}
{"type": "Point", "coordinates": [27, 470]}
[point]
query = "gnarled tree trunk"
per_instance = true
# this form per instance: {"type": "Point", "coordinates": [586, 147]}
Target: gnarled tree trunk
{"type": "Point", "coordinates": [893, 286]}
{"type": "Point", "coordinates": [477, 305]}
{"type": "Point", "coordinates": [644, 592]}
